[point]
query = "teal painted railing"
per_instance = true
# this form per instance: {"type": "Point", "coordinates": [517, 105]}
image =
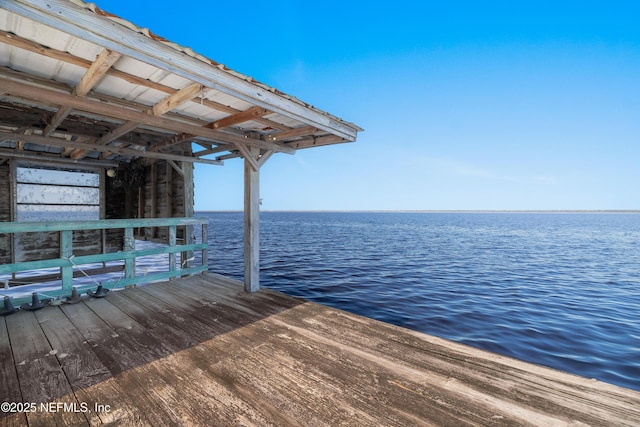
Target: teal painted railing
{"type": "Point", "coordinates": [67, 261]}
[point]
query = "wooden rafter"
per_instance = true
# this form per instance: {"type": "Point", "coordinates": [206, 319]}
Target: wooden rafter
{"type": "Point", "coordinates": [252, 113]}
{"type": "Point", "coordinates": [241, 117]}
{"type": "Point", "coordinates": [211, 150]}
{"type": "Point", "coordinates": [93, 75]}
{"type": "Point", "coordinates": [17, 41]}
{"type": "Point", "coordinates": [180, 97]}
{"type": "Point", "coordinates": [58, 142]}
{"type": "Point", "coordinates": [174, 140]}
{"type": "Point", "coordinates": [315, 141]}
{"type": "Point", "coordinates": [84, 104]}
{"type": "Point", "coordinates": [293, 133]}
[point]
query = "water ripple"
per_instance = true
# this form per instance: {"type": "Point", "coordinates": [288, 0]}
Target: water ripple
{"type": "Point", "coordinates": [561, 290]}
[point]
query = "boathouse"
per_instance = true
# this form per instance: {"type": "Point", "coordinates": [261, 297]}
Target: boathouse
{"type": "Point", "coordinates": [101, 123]}
{"type": "Point", "coordinates": [101, 120]}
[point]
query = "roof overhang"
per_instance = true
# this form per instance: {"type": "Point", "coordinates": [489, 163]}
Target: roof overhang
{"type": "Point", "coordinates": [78, 83]}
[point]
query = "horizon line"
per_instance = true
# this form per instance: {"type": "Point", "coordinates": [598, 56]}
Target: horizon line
{"type": "Point", "coordinates": [634, 211]}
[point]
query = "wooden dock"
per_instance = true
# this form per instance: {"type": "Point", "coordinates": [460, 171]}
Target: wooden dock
{"type": "Point", "coordinates": [201, 351]}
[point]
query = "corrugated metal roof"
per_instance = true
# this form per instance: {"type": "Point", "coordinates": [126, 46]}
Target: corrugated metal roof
{"type": "Point", "coordinates": [63, 46]}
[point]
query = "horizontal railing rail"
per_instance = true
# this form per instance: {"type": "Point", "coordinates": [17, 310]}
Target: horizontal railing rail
{"type": "Point", "coordinates": [66, 261]}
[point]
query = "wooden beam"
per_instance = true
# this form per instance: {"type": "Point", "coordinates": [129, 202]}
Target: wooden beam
{"type": "Point", "coordinates": [176, 167]}
{"type": "Point", "coordinates": [117, 132]}
{"type": "Point", "coordinates": [251, 222]}
{"type": "Point", "coordinates": [31, 46]}
{"type": "Point", "coordinates": [232, 155]}
{"type": "Point", "coordinates": [213, 150]}
{"type": "Point", "coordinates": [67, 152]}
{"type": "Point", "coordinates": [91, 77]}
{"type": "Point", "coordinates": [174, 140]}
{"type": "Point", "coordinates": [235, 154]}
{"type": "Point", "coordinates": [180, 97]}
{"type": "Point", "coordinates": [88, 105]}
{"type": "Point", "coordinates": [17, 41]}
{"type": "Point", "coordinates": [154, 195]}
{"type": "Point", "coordinates": [98, 69]}
{"type": "Point", "coordinates": [57, 142]}
{"type": "Point", "coordinates": [293, 133]}
{"type": "Point", "coordinates": [188, 204]}
{"type": "Point", "coordinates": [241, 117]}
{"type": "Point", "coordinates": [315, 141]}
{"type": "Point", "coordinates": [264, 157]}
{"type": "Point", "coordinates": [53, 158]}
{"type": "Point", "coordinates": [168, 191]}
{"type": "Point", "coordinates": [249, 157]}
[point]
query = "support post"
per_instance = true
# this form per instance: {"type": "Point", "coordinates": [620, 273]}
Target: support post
{"type": "Point", "coordinates": [129, 246]}
{"type": "Point", "coordinates": [187, 178]}
{"type": "Point", "coordinates": [172, 244]}
{"type": "Point", "coordinates": [66, 251]}
{"type": "Point", "coordinates": [251, 222]}
{"type": "Point", "coordinates": [205, 250]}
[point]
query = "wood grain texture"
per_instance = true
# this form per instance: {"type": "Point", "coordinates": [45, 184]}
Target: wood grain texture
{"type": "Point", "coordinates": [9, 385]}
{"type": "Point", "coordinates": [112, 110]}
{"type": "Point", "coordinates": [90, 380]}
{"type": "Point", "coordinates": [41, 378]}
{"type": "Point", "coordinates": [201, 351]}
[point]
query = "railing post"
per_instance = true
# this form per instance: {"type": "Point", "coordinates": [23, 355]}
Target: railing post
{"type": "Point", "coordinates": [172, 244]}
{"type": "Point", "coordinates": [205, 239]}
{"type": "Point", "coordinates": [130, 260]}
{"type": "Point", "coordinates": [66, 251]}
{"type": "Point", "coordinates": [64, 261]}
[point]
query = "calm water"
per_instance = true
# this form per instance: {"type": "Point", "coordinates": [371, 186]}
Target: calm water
{"type": "Point", "coordinates": [561, 290]}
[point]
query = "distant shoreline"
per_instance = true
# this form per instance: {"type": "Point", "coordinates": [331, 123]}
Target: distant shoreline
{"type": "Point", "coordinates": [569, 211]}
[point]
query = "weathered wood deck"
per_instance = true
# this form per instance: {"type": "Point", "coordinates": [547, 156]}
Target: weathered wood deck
{"type": "Point", "coordinates": [201, 351]}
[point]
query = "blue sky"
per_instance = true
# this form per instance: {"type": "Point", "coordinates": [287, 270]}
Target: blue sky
{"type": "Point", "coordinates": [465, 105]}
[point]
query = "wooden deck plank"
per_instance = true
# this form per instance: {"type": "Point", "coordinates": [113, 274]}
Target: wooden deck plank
{"type": "Point", "coordinates": [114, 351]}
{"type": "Point", "coordinates": [168, 376]}
{"type": "Point", "coordinates": [122, 354]}
{"type": "Point", "coordinates": [279, 383]}
{"type": "Point", "coordinates": [450, 390]}
{"type": "Point", "coordinates": [9, 385]}
{"type": "Point", "coordinates": [41, 377]}
{"type": "Point", "coordinates": [201, 351]}
{"type": "Point", "coordinates": [221, 370]}
{"type": "Point", "coordinates": [211, 311]}
{"type": "Point", "coordinates": [190, 403]}
{"type": "Point", "coordinates": [283, 368]}
{"type": "Point", "coordinates": [90, 380]}
{"type": "Point", "coordinates": [189, 325]}
{"type": "Point", "coordinates": [219, 289]}
{"type": "Point", "coordinates": [503, 377]}
{"type": "Point", "coordinates": [140, 335]}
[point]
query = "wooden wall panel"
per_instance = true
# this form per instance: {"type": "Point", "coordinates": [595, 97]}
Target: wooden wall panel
{"type": "Point", "coordinates": [158, 187]}
{"type": "Point", "coordinates": [37, 246]}
{"type": "Point", "coordinates": [5, 212]}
